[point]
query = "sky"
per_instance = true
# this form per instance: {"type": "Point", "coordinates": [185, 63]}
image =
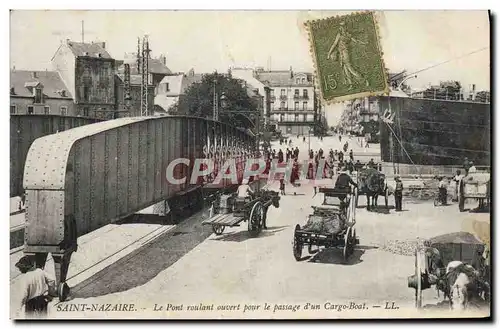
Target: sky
{"type": "Point", "coordinates": [215, 40]}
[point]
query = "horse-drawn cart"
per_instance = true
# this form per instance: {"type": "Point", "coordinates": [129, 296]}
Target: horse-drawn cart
{"type": "Point", "coordinates": [229, 211]}
{"type": "Point", "coordinates": [475, 186]}
{"type": "Point", "coordinates": [330, 225]}
{"type": "Point", "coordinates": [373, 184]}
{"type": "Point", "coordinates": [440, 263]}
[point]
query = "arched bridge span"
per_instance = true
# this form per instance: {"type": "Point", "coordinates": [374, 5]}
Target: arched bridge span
{"type": "Point", "coordinates": [24, 130]}
{"type": "Point", "coordinates": [87, 177]}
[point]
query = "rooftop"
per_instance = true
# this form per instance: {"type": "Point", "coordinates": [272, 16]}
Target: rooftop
{"type": "Point", "coordinates": [80, 49]}
{"type": "Point", "coordinates": [284, 78]}
{"type": "Point", "coordinates": [23, 81]}
{"type": "Point", "coordinates": [156, 66]}
{"type": "Point", "coordinates": [135, 79]}
{"type": "Point", "coordinates": [188, 80]}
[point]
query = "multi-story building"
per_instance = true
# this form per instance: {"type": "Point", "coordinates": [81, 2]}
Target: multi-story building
{"type": "Point", "coordinates": [172, 88]}
{"type": "Point", "coordinates": [39, 92]}
{"type": "Point", "coordinates": [248, 75]}
{"type": "Point", "coordinates": [292, 100]}
{"type": "Point", "coordinates": [135, 96]}
{"type": "Point", "coordinates": [88, 70]}
{"type": "Point", "coordinates": [157, 68]}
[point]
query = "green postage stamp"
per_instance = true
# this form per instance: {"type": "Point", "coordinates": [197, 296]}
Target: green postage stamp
{"type": "Point", "coordinates": [348, 57]}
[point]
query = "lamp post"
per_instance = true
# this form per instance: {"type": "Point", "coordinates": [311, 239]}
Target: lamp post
{"type": "Point", "coordinates": [309, 143]}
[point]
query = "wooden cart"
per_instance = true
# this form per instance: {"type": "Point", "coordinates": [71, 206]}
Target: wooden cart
{"type": "Point", "coordinates": [230, 211]}
{"type": "Point", "coordinates": [437, 253]}
{"type": "Point", "coordinates": [332, 206]}
{"type": "Point", "coordinates": [475, 186]}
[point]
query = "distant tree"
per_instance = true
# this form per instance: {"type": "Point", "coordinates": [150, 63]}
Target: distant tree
{"type": "Point", "coordinates": [198, 100]}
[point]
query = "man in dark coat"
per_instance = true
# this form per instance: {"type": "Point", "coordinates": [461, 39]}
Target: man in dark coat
{"type": "Point", "coordinates": [280, 156]}
{"type": "Point", "coordinates": [344, 182]}
{"type": "Point", "coordinates": [398, 193]}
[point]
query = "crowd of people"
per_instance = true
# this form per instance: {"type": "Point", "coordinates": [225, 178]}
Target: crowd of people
{"type": "Point", "coordinates": [335, 161]}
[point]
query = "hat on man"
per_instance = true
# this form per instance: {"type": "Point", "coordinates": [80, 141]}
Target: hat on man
{"type": "Point", "coordinates": [25, 263]}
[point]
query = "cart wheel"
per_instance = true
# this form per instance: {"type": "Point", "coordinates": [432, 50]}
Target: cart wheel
{"type": "Point", "coordinates": [255, 219]}
{"type": "Point", "coordinates": [419, 256]}
{"type": "Point", "coordinates": [62, 291]}
{"type": "Point", "coordinates": [347, 245]}
{"type": "Point", "coordinates": [297, 246]}
{"type": "Point", "coordinates": [218, 229]}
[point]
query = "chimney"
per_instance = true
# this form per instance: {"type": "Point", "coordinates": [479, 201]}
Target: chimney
{"type": "Point", "coordinates": [291, 73]}
{"type": "Point", "coordinates": [163, 59]}
{"type": "Point", "coordinates": [33, 75]}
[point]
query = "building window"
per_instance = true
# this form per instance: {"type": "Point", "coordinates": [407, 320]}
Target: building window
{"type": "Point", "coordinates": [61, 126]}
{"type": "Point", "coordinates": [297, 81]}
{"type": "Point", "coordinates": [304, 106]}
{"type": "Point", "coordinates": [296, 118]}
{"type": "Point", "coordinates": [86, 93]}
{"type": "Point", "coordinates": [271, 104]}
{"type": "Point", "coordinates": [296, 107]}
{"type": "Point", "coordinates": [46, 110]}
{"type": "Point", "coordinates": [303, 80]}
{"type": "Point", "coordinates": [64, 110]}
{"type": "Point", "coordinates": [296, 93]}
{"type": "Point", "coordinates": [38, 96]}
{"type": "Point", "coordinates": [282, 106]}
{"type": "Point", "coordinates": [283, 92]}
{"type": "Point", "coordinates": [86, 112]}
{"type": "Point", "coordinates": [304, 92]}
{"type": "Point", "coordinates": [271, 93]}
{"type": "Point", "coordinates": [12, 109]}
{"type": "Point", "coordinates": [30, 109]}
{"type": "Point", "coordinates": [282, 117]}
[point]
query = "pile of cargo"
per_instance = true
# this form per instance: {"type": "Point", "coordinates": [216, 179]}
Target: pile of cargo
{"type": "Point", "coordinates": [332, 223]}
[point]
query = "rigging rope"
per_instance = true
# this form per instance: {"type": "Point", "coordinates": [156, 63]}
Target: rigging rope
{"type": "Point", "coordinates": [400, 143]}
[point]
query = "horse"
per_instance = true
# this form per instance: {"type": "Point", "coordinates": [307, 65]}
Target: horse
{"type": "Point", "coordinates": [461, 285]}
{"type": "Point", "coordinates": [373, 184]}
